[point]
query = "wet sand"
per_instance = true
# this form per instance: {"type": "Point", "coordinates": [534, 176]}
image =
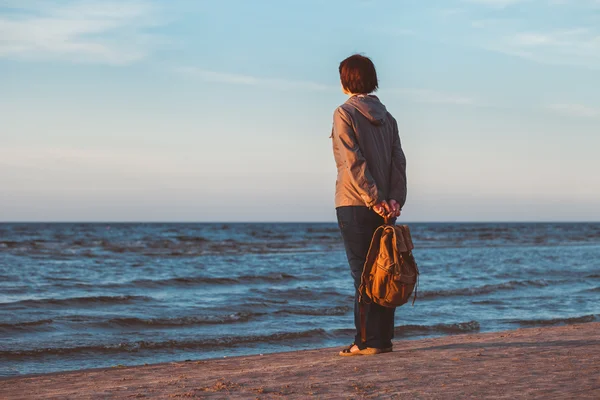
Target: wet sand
{"type": "Point", "coordinates": [554, 362]}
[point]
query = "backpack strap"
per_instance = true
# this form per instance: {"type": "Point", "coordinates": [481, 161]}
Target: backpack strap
{"type": "Point", "coordinates": [397, 261]}
{"type": "Point", "coordinates": [416, 290]}
{"type": "Point", "coordinates": [395, 249]}
{"type": "Point", "coordinates": [405, 235]}
{"type": "Point", "coordinates": [370, 260]}
{"type": "Point", "coordinates": [417, 283]}
{"type": "Point", "coordinates": [371, 255]}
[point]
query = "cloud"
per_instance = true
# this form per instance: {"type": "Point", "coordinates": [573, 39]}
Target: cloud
{"type": "Point", "coordinates": [592, 3]}
{"type": "Point", "coordinates": [449, 12]}
{"type": "Point", "coordinates": [495, 3]}
{"type": "Point", "coordinates": [568, 33]}
{"type": "Point", "coordinates": [578, 46]}
{"type": "Point", "coordinates": [392, 31]}
{"type": "Point", "coordinates": [574, 110]}
{"type": "Point", "coordinates": [58, 157]}
{"type": "Point", "coordinates": [414, 95]}
{"type": "Point", "coordinates": [105, 32]}
{"type": "Point", "coordinates": [247, 80]}
{"type": "Point", "coordinates": [434, 97]}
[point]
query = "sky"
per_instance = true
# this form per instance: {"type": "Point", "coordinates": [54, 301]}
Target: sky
{"type": "Point", "coordinates": [137, 110]}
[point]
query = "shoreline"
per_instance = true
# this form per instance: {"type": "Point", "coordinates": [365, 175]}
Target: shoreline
{"type": "Point", "coordinates": [546, 362]}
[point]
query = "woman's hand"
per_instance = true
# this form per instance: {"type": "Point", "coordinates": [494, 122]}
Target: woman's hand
{"type": "Point", "coordinates": [387, 210]}
{"type": "Point", "coordinates": [382, 208]}
{"type": "Point", "coordinates": [395, 208]}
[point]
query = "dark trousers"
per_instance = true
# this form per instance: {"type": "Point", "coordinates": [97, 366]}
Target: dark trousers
{"type": "Point", "coordinates": [358, 224]}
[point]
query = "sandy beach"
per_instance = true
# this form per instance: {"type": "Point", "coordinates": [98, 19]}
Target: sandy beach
{"type": "Point", "coordinates": [553, 362]}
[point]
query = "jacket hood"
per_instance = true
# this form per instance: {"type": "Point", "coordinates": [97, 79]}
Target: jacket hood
{"type": "Point", "coordinates": [370, 107]}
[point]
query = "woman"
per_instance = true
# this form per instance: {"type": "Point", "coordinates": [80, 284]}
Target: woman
{"type": "Point", "coordinates": [371, 184]}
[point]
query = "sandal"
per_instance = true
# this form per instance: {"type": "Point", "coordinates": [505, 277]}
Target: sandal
{"type": "Point", "coordinates": [347, 351]}
{"type": "Point", "coordinates": [364, 352]}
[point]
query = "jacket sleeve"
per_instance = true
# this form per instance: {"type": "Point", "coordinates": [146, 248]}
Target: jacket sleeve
{"type": "Point", "coordinates": [398, 174]}
{"type": "Point", "coordinates": [353, 159]}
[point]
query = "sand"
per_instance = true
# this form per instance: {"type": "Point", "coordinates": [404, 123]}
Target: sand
{"type": "Point", "coordinates": [554, 362]}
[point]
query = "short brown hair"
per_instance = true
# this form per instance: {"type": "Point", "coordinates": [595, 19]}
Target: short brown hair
{"type": "Point", "coordinates": [358, 74]}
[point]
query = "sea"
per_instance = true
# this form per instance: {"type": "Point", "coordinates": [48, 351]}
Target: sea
{"type": "Point", "coordinates": [91, 295]}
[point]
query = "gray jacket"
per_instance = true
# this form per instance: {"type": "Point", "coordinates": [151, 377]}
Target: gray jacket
{"type": "Point", "coordinates": [369, 158]}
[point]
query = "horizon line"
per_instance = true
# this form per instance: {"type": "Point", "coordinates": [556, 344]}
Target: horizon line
{"type": "Point", "coordinates": [303, 222]}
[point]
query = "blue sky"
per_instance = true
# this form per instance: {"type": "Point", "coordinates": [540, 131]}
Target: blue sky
{"type": "Point", "coordinates": [222, 110]}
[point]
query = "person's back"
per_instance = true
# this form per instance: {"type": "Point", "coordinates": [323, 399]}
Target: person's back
{"type": "Point", "coordinates": [371, 184]}
{"type": "Point", "coordinates": [364, 121]}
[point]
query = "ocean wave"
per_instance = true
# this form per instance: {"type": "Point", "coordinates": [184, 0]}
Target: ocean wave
{"type": "Point", "coordinates": [227, 246]}
{"type": "Point", "coordinates": [181, 321]}
{"type": "Point", "coordinates": [260, 243]}
{"type": "Point", "coordinates": [302, 293]}
{"type": "Point", "coordinates": [192, 239]}
{"type": "Point", "coordinates": [490, 302]}
{"type": "Point", "coordinates": [485, 289]}
{"type": "Point", "coordinates": [592, 290]}
{"type": "Point", "coordinates": [274, 277]}
{"type": "Point", "coordinates": [78, 301]}
{"type": "Point", "coordinates": [24, 326]}
{"type": "Point", "coordinates": [11, 244]}
{"type": "Point", "coordinates": [179, 282]}
{"type": "Point", "coordinates": [458, 327]}
{"type": "Point", "coordinates": [167, 247]}
{"type": "Point", "coordinates": [335, 230]}
{"type": "Point", "coordinates": [270, 235]}
{"type": "Point", "coordinates": [91, 240]}
{"type": "Point", "coordinates": [416, 330]}
{"type": "Point", "coordinates": [556, 321]}
{"type": "Point", "coordinates": [171, 345]}
{"type": "Point", "coordinates": [182, 281]}
{"type": "Point", "coordinates": [173, 322]}
{"type": "Point", "coordinates": [316, 311]}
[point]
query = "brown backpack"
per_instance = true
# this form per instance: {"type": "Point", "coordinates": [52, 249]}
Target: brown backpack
{"type": "Point", "coordinates": [390, 273]}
